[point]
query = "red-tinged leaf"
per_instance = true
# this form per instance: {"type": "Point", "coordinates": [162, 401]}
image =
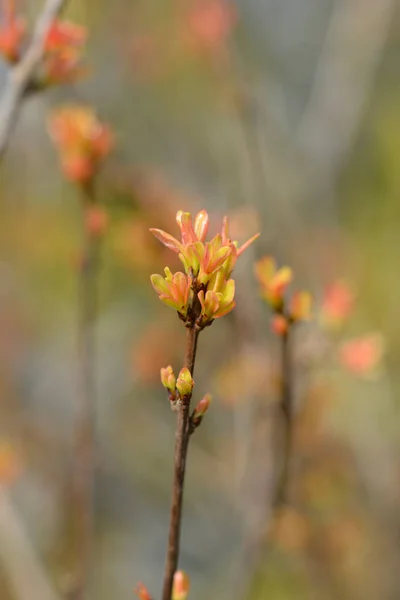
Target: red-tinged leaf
{"type": "Point", "coordinates": [201, 225]}
{"type": "Point", "coordinates": [244, 246]}
{"type": "Point", "coordinates": [159, 284]}
{"type": "Point", "coordinates": [168, 240]}
{"type": "Point", "coordinates": [224, 310]}
{"type": "Point", "coordinates": [225, 231]}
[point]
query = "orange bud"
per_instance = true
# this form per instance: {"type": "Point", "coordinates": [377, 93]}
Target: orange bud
{"type": "Point", "coordinates": [82, 140]}
{"type": "Point", "coordinates": [65, 33]}
{"type": "Point", "coordinates": [362, 355]}
{"type": "Point", "coordinates": [210, 23]}
{"type": "Point", "coordinates": [273, 281]}
{"type": "Point", "coordinates": [63, 49]}
{"type": "Point", "coordinates": [279, 324]}
{"type": "Point", "coordinates": [78, 169]}
{"type": "Point", "coordinates": [12, 32]}
{"type": "Point", "coordinates": [203, 406]}
{"type": "Point", "coordinates": [337, 304]}
{"type": "Point", "coordinates": [96, 220]}
{"type": "Point", "coordinates": [300, 306]}
{"type": "Point", "coordinates": [181, 586]}
{"type": "Point", "coordinates": [142, 592]}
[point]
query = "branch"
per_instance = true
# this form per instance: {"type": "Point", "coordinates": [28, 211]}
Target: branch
{"type": "Point", "coordinates": [22, 74]}
{"type": "Point", "coordinates": [182, 437]}
{"type": "Point", "coordinates": [286, 406]}
{"type": "Point", "coordinates": [84, 468]}
{"type": "Point", "coordinates": [256, 546]}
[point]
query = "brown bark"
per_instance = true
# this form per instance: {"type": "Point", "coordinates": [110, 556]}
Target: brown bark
{"type": "Point", "coordinates": [182, 437]}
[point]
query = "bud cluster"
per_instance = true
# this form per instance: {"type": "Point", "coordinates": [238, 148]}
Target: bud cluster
{"type": "Point", "coordinates": [63, 47]}
{"type": "Point", "coordinates": [274, 283]}
{"type": "Point", "coordinates": [83, 141]}
{"type": "Point", "coordinates": [180, 391]}
{"type": "Point", "coordinates": [205, 290]}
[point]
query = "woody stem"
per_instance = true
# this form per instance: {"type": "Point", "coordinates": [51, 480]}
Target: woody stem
{"type": "Point", "coordinates": [84, 467]}
{"type": "Point", "coordinates": [286, 406]}
{"type": "Point", "coordinates": [182, 436]}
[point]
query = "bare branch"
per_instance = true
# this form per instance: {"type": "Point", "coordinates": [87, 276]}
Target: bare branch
{"type": "Point", "coordinates": [182, 436]}
{"type": "Point", "coordinates": [21, 76]}
{"type": "Point", "coordinates": [85, 434]}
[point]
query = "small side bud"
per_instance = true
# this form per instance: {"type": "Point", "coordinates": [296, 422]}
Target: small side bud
{"type": "Point", "coordinates": [300, 306]}
{"type": "Point", "coordinates": [185, 383]}
{"type": "Point", "coordinates": [181, 586]}
{"type": "Point", "coordinates": [142, 592]}
{"type": "Point", "coordinates": [96, 220]}
{"type": "Point", "coordinates": [168, 378]}
{"type": "Point", "coordinates": [279, 324]}
{"type": "Point", "coordinates": [337, 305]}
{"type": "Point", "coordinates": [203, 406]}
{"type": "Point", "coordinates": [201, 409]}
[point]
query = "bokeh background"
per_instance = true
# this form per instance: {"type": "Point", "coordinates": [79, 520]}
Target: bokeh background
{"type": "Point", "coordinates": [283, 114]}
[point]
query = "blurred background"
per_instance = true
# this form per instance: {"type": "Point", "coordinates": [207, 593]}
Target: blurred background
{"type": "Point", "coordinates": [284, 115]}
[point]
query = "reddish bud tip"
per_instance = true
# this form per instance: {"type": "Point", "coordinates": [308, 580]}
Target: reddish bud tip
{"type": "Point", "coordinates": [96, 220]}
{"type": "Point", "coordinates": [279, 324]}
{"type": "Point", "coordinates": [181, 586]}
{"type": "Point", "coordinates": [184, 383]}
{"type": "Point", "coordinates": [142, 592]}
{"type": "Point", "coordinates": [203, 406]}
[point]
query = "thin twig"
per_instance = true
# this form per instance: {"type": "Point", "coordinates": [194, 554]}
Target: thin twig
{"type": "Point", "coordinates": [257, 546]}
{"type": "Point", "coordinates": [84, 467]}
{"type": "Point", "coordinates": [286, 406]}
{"type": "Point", "coordinates": [182, 437]}
{"type": "Point", "coordinates": [22, 75]}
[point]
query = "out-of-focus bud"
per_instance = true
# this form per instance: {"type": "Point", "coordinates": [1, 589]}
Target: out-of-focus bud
{"type": "Point", "coordinates": [185, 383]}
{"type": "Point", "coordinates": [142, 592]}
{"type": "Point", "coordinates": [82, 140]}
{"type": "Point", "coordinates": [279, 324]}
{"type": "Point", "coordinates": [63, 51]}
{"type": "Point", "coordinates": [168, 378]}
{"type": "Point", "coordinates": [337, 304]}
{"type": "Point", "coordinates": [300, 306]}
{"type": "Point", "coordinates": [96, 220]}
{"type": "Point", "coordinates": [209, 24]}
{"type": "Point", "coordinates": [181, 586]}
{"type": "Point", "coordinates": [273, 281]}
{"type": "Point", "coordinates": [10, 465]}
{"type": "Point", "coordinates": [362, 355]}
{"type": "Point", "coordinates": [12, 32]}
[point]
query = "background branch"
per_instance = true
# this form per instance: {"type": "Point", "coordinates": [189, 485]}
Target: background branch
{"type": "Point", "coordinates": [21, 75]}
{"type": "Point", "coordinates": [85, 459]}
{"type": "Point", "coordinates": [286, 407]}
